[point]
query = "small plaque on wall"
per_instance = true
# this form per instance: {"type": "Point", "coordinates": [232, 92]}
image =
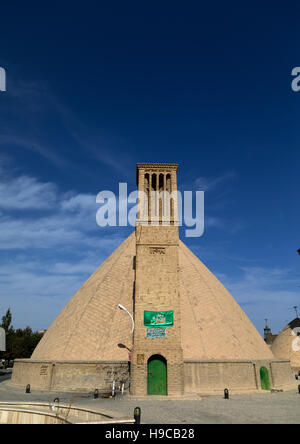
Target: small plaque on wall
{"type": "Point", "coordinates": [44, 370]}
{"type": "Point", "coordinates": [140, 359]}
{"type": "Point", "coordinates": [157, 250]}
{"type": "Point", "coordinates": [153, 333]}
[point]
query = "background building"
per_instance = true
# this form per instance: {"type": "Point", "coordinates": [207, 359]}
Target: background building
{"type": "Point", "coordinates": [287, 344]}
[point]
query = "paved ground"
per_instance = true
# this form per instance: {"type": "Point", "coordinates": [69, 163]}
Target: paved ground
{"type": "Point", "coordinates": [270, 408]}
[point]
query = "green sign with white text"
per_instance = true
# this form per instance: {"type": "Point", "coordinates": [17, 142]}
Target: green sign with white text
{"type": "Point", "coordinates": [158, 318]}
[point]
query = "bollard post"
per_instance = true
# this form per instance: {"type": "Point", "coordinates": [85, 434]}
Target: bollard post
{"type": "Point", "coordinates": [226, 394]}
{"type": "Point", "coordinates": [299, 389]}
{"type": "Point", "coordinates": [137, 415]}
{"type": "Point", "coordinates": [56, 404]}
{"type": "Point", "coordinates": [96, 394]}
{"type": "Point", "coordinates": [27, 388]}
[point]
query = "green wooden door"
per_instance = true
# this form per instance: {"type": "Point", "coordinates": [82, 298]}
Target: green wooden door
{"type": "Point", "coordinates": [264, 379]}
{"type": "Point", "coordinates": [157, 376]}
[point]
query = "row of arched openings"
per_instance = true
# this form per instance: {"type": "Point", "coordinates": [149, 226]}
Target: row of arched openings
{"type": "Point", "coordinates": [160, 205]}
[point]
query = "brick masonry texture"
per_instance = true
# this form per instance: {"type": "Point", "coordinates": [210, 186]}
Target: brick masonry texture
{"type": "Point", "coordinates": [212, 342]}
{"type": "Point", "coordinates": [70, 375]}
{"type": "Point", "coordinates": [213, 326]}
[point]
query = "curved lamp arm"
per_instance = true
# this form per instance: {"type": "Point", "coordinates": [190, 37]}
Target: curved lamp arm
{"type": "Point", "coordinates": [131, 317]}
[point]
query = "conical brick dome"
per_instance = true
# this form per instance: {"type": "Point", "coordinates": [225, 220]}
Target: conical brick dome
{"type": "Point", "coordinates": [286, 344]}
{"type": "Point", "coordinates": [91, 325]}
{"type": "Point", "coordinates": [213, 326]}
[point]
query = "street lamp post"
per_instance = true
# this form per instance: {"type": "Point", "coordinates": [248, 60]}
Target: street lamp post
{"type": "Point", "coordinates": [131, 317]}
{"type": "Point", "coordinates": [124, 346]}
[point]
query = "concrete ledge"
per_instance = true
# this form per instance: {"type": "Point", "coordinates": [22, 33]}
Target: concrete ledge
{"type": "Point", "coordinates": [50, 413]}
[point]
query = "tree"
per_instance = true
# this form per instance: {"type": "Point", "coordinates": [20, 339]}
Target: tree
{"type": "Point", "coordinates": [20, 343]}
{"type": "Point", "coordinates": [6, 320]}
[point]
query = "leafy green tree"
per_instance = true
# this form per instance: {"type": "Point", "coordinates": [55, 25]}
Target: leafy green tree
{"type": "Point", "coordinates": [20, 343]}
{"type": "Point", "coordinates": [6, 320]}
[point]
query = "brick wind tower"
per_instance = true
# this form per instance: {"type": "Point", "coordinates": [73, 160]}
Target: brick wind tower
{"type": "Point", "coordinates": [157, 357]}
{"type": "Point", "coordinates": [190, 334]}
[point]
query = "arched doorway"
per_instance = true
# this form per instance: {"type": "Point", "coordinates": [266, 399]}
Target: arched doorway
{"type": "Point", "coordinates": [157, 375]}
{"type": "Point", "coordinates": [264, 379]}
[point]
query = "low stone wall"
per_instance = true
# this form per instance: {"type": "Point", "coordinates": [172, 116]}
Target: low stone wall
{"type": "Point", "coordinates": [69, 375]}
{"type": "Point", "coordinates": [200, 376]}
{"type": "Point", "coordinates": [212, 377]}
{"type": "Point", "coordinates": [282, 374]}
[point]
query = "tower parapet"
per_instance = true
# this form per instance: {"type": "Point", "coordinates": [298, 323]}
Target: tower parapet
{"type": "Point", "coordinates": [157, 301]}
{"type": "Point", "coordinates": [157, 187]}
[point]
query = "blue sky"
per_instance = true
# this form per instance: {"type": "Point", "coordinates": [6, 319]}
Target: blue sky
{"type": "Point", "coordinates": [94, 88]}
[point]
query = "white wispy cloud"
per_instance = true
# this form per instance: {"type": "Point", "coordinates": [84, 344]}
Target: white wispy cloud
{"type": "Point", "coordinates": [32, 143]}
{"type": "Point", "coordinates": [265, 292]}
{"type": "Point", "coordinates": [49, 245]}
{"type": "Point", "coordinates": [29, 108]}
{"type": "Point", "coordinates": [219, 196]}
{"type": "Point", "coordinates": [104, 149]}
{"type": "Point", "coordinates": [26, 192]}
{"type": "Point", "coordinates": [79, 202]}
{"type": "Point", "coordinates": [211, 183]}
